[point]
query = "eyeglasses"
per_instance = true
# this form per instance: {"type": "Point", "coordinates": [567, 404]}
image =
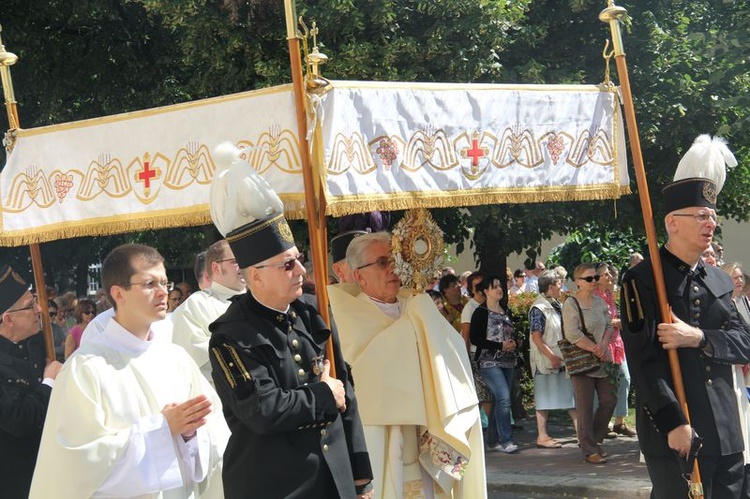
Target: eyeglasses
{"type": "Point", "coordinates": [33, 305]}
{"type": "Point", "coordinates": [30, 307]}
{"type": "Point", "coordinates": [287, 265]}
{"type": "Point", "coordinates": [88, 312]}
{"type": "Point", "coordinates": [152, 284]}
{"type": "Point", "coordinates": [382, 262]}
{"type": "Point", "coordinates": [591, 278]}
{"type": "Point", "coordinates": [52, 314]}
{"type": "Point", "coordinates": [701, 218]}
{"type": "Point", "coordinates": [520, 275]}
{"type": "Point", "coordinates": [232, 260]}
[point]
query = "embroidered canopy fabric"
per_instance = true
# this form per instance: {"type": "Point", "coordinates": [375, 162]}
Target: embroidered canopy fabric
{"type": "Point", "coordinates": [385, 146]}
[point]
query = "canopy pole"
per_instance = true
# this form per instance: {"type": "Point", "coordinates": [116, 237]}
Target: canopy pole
{"type": "Point", "coordinates": [612, 15]}
{"type": "Point", "coordinates": [7, 59]}
{"type": "Point", "coordinates": [315, 214]}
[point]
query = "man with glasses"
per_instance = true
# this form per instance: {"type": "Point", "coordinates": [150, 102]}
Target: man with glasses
{"type": "Point", "coordinates": [414, 381]}
{"type": "Point", "coordinates": [705, 331]}
{"type": "Point", "coordinates": [295, 428]}
{"type": "Point", "coordinates": [130, 416]}
{"type": "Point", "coordinates": [25, 384]}
{"type": "Point", "coordinates": [192, 318]}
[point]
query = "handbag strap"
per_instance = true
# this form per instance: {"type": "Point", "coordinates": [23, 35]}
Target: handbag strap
{"type": "Point", "coordinates": [583, 323]}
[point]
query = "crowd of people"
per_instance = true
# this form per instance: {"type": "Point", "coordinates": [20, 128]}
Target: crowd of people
{"type": "Point", "coordinates": [232, 391]}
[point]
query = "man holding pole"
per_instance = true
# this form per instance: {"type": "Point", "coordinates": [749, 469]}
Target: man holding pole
{"type": "Point", "coordinates": [25, 384]}
{"type": "Point", "coordinates": [706, 332]}
{"type": "Point", "coordinates": [296, 430]}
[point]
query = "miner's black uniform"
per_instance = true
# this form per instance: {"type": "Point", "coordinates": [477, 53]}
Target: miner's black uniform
{"type": "Point", "coordinates": [23, 407]}
{"type": "Point", "coordinates": [701, 298]}
{"type": "Point", "coordinates": [288, 438]}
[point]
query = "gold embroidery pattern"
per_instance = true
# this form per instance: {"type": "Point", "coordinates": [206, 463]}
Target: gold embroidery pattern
{"type": "Point", "coordinates": [474, 152]}
{"type": "Point", "coordinates": [107, 176]}
{"type": "Point", "coordinates": [350, 151]}
{"type": "Point", "coordinates": [285, 232]}
{"type": "Point", "coordinates": [192, 164]}
{"type": "Point", "coordinates": [275, 149]}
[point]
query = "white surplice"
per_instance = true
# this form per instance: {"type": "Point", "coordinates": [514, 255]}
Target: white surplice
{"type": "Point", "coordinates": [105, 436]}
{"type": "Point", "coordinates": [191, 320]}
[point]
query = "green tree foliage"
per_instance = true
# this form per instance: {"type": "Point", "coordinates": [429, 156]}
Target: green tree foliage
{"type": "Point", "coordinates": [590, 243]}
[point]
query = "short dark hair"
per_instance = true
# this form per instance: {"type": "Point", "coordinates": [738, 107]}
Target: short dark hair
{"type": "Point", "coordinates": [434, 294]}
{"type": "Point", "coordinates": [117, 268]}
{"type": "Point", "coordinates": [200, 265]}
{"type": "Point", "coordinates": [487, 282]}
{"type": "Point", "coordinates": [214, 253]}
{"type": "Point", "coordinates": [447, 281]}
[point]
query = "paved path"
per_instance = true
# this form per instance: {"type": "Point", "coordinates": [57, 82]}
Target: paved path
{"type": "Point", "coordinates": [562, 472]}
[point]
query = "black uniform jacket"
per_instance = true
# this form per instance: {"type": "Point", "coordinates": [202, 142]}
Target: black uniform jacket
{"type": "Point", "coordinates": [288, 438]}
{"type": "Point", "coordinates": [23, 407]}
{"type": "Point", "coordinates": [701, 298]}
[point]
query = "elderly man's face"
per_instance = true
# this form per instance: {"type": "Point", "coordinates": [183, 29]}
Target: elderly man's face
{"type": "Point", "coordinates": [277, 282]}
{"type": "Point", "coordinates": [376, 276]}
{"type": "Point", "coordinates": [694, 228]}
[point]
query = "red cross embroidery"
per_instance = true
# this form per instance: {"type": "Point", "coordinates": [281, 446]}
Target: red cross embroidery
{"type": "Point", "coordinates": [146, 174]}
{"type": "Point", "coordinates": [475, 152]}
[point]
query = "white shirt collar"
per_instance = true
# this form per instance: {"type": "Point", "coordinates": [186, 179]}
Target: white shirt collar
{"type": "Point", "coordinates": [122, 339]}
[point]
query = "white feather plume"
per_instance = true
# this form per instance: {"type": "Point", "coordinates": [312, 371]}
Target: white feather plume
{"type": "Point", "coordinates": [239, 195]}
{"type": "Point", "coordinates": [706, 158]}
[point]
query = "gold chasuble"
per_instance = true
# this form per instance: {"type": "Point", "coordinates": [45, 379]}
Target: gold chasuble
{"type": "Point", "coordinates": [416, 397]}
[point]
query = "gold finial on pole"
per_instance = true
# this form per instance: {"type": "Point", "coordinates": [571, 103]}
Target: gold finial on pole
{"type": "Point", "coordinates": [314, 82]}
{"type": "Point", "coordinates": [7, 59]}
{"type": "Point", "coordinates": [612, 15]}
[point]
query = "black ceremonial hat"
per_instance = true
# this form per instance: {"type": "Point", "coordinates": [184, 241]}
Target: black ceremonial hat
{"type": "Point", "coordinates": [700, 175]}
{"type": "Point", "coordinates": [12, 287]}
{"type": "Point", "coordinates": [340, 243]}
{"type": "Point", "coordinates": [260, 240]}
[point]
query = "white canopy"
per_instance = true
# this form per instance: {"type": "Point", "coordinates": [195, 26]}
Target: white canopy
{"type": "Point", "coordinates": [385, 146]}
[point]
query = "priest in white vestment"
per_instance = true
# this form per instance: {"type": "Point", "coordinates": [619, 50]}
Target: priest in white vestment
{"type": "Point", "coordinates": [413, 381]}
{"type": "Point", "coordinates": [130, 415]}
{"type": "Point", "coordinates": [194, 315]}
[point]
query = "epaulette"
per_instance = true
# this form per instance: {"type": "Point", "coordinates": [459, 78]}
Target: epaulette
{"type": "Point", "coordinates": [231, 365]}
{"type": "Point", "coordinates": [633, 308]}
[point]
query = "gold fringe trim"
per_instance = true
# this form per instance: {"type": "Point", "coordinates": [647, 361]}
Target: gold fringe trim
{"type": "Point", "coordinates": [294, 208]}
{"type": "Point", "coordinates": [346, 205]}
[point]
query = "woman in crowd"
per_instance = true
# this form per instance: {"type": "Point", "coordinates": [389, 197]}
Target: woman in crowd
{"type": "Point", "coordinates": [592, 425]}
{"type": "Point", "coordinates": [552, 388]}
{"type": "Point", "coordinates": [734, 270]}
{"type": "Point", "coordinates": [85, 311]}
{"type": "Point", "coordinates": [605, 290]}
{"type": "Point", "coordinates": [453, 302]}
{"type": "Point", "coordinates": [492, 332]}
{"type": "Point", "coordinates": [519, 283]}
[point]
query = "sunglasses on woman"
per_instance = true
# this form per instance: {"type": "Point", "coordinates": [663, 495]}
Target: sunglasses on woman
{"type": "Point", "coordinates": [591, 278]}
